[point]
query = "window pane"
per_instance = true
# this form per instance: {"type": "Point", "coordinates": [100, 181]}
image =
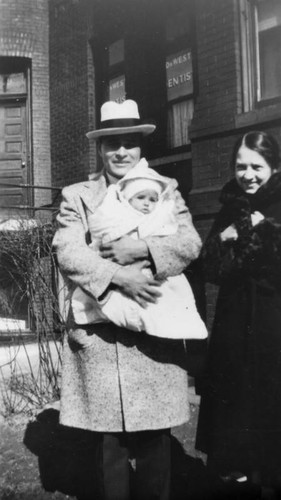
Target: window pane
{"type": "Point", "coordinates": [179, 75]}
{"type": "Point", "coordinates": [117, 90]}
{"type": "Point", "coordinates": [179, 78]}
{"type": "Point", "coordinates": [269, 14]}
{"type": "Point", "coordinates": [13, 83]}
{"type": "Point", "coordinates": [177, 26]}
{"type": "Point", "coordinates": [270, 56]}
{"type": "Point", "coordinates": [116, 52]}
{"type": "Point", "coordinates": [179, 119]}
{"type": "Point", "coordinates": [269, 30]}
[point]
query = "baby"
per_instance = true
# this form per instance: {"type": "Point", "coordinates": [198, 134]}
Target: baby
{"type": "Point", "coordinates": [139, 205]}
{"type": "Point", "coordinates": [144, 200]}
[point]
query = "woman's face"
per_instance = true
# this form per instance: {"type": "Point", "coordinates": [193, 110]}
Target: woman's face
{"type": "Point", "coordinates": [251, 170]}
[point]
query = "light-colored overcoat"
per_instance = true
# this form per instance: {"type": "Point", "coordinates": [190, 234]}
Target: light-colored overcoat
{"type": "Point", "coordinates": [114, 379]}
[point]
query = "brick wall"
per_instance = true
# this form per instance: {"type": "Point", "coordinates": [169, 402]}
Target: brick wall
{"type": "Point", "coordinates": [72, 92]}
{"type": "Point", "coordinates": [218, 97]}
{"type": "Point", "coordinates": [217, 64]}
{"type": "Point", "coordinates": [25, 33]}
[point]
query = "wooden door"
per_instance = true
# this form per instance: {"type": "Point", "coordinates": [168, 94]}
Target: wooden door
{"type": "Point", "coordinates": [13, 153]}
{"type": "Point", "coordinates": [13, 170]}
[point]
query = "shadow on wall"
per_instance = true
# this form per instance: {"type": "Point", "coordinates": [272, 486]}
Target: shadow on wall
{"type": "Point", "coordinates": [66, 459]}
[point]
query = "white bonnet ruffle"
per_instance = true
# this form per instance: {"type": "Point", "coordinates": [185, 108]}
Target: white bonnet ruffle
{"type": "Point", "coordinates": [139, 178]}
{"type": "Point", "coordinates": [135, 186]}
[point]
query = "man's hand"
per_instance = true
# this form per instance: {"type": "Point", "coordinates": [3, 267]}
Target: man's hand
{"type": "Point", "coordinates": [124, 251]}
{"type": "Point", "coordinates": [229, 234]}
{"type": "Point", "coordinates": [136, 285]}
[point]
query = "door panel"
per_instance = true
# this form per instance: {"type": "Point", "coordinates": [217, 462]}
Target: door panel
{"type": "Point", "coordinates": [13, 161]}
{"type": "Point", "coordinates": [14, 170]}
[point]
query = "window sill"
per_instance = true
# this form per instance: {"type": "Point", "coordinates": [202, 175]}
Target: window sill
{"type": "Point", "coordinates": [165, 160]}
{"type": "Point", "coordinates": [26, 337]}
{"type": "Point", "coordinates": [258, 116]}
{"type": "Point", "coordinates": [16, 337]}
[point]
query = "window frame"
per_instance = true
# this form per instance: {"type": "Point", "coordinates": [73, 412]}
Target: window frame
{"type": "Point", "coordinates": [155, 110]}
{"type": "Point", "coordinates": [115, 70]}
{"type": "Point", "coordinates": [186, 40]}
{"type": "Point", "coordinates": [250, 59]}
{"type": "Point", "coordinates": [176, 46]}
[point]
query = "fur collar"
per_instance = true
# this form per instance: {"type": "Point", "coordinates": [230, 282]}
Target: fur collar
{"type": "Point", "coordinates": [267, 194]}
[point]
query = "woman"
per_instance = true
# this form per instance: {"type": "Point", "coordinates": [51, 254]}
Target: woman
{"type": "Point", "coordinates": [240, 418]}
{"type": "Point", "coordinates": [129, 388]}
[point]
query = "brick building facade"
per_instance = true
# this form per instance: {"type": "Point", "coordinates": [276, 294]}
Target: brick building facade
{"type": "Point", "coordinates": [24, 50]}
{"type": "Point", "coordinates": [25, 159]}
{"type": "Point", "coordinates": [117, 42]}
{"type": "Point", "coordinates": [201, 71]}
{"type": "Point", "coordinates": [79, 28]}
{"type": "Point", "coordinates": [71, 93]}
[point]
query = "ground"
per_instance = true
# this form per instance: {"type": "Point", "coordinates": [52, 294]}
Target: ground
{"type": "Point", "coordinates": [39, 460]}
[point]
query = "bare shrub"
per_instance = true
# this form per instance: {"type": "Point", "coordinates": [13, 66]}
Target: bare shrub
{"type": "Point", "coordinates": [28, 273]}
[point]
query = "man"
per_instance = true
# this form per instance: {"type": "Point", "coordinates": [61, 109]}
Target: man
{"type": "Point", "coordinates": [128, 386]}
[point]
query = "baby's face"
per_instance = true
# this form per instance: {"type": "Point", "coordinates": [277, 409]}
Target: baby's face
{"type": "Point", "coordinates": [145, 201]}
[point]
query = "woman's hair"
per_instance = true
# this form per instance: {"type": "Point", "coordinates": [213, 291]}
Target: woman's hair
{"type": "Point", "coordinates": [261, 142]}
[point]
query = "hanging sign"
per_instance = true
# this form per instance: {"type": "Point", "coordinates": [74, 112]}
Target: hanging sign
{"type": "Point", "coordinates": [179, 77]}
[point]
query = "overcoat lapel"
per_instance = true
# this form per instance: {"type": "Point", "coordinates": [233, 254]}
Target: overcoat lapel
{"type": "Point", "coordinates": [93, 192]}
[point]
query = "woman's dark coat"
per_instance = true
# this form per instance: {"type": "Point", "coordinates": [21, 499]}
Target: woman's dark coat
{"type": "Point", "coordinates": [240, 417]}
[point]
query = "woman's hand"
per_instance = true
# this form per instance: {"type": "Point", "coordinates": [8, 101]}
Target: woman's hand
{"type": "Point", "coordinates": [136, 285]}
{"type": "Point", "coordinates": [229, 234]}
{"type": "Point", "coordinates": [124, 251]}
{"type": "Point", "coordinates": [256, 218]}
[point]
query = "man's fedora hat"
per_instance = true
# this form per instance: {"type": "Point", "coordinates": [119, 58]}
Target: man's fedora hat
{"type": "Point", "coordinates": [119, 119]}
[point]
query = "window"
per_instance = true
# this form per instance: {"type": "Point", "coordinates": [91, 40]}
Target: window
{"type": "Point", "coordinates": [12, 83]}
{"type": "Point", "coordinates": [179, 79]}
{"type": "Point", "coordinates": [141, 55]}
{"type": "Point", "coordinates": [14, 170]}
{"type": "Point", "coordinates": [261, 51]}
{"type": "Point", "coordinates": [268, 34]}
{"type": "Point", "coordinates": [117, 88]}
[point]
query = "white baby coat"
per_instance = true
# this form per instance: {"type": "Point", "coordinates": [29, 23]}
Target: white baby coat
{"type": "Point", "coordinates": [174, 315]}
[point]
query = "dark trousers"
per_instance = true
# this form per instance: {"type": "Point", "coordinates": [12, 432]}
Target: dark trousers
{"type": "Point", "coordinates": [135, 465]}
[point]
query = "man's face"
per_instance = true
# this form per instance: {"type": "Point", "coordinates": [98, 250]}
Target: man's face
{"type": "Point", "coordinates": [120, 153]}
